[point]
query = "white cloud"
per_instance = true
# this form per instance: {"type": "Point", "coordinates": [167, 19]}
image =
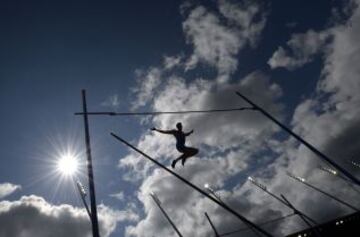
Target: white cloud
{"type": "Point", "coordinates": [227, 143]}
{"type": "Point", "coordinates": [303, 48]}
{"type": "Point", "coordinates": [330, 121]}
{"type": "Point", "coordinates": [235, 145]}
{"type": "Point", "coordinates": [223, 131]}
{"type": "Point", "coordinates": [112, 101]}
{"type": "Point", "coordinates": [218, 43]}
{"type": "Point", "coordinates": [7, 189]}
{"type": "Point", "coordinates": [33, 216]}
{"type": "Point", "coordinates": [171, 62]}
{"type": "Point", "coordinates": [148, 82]}
{"type": "Point", "coordinates": [120, 196]}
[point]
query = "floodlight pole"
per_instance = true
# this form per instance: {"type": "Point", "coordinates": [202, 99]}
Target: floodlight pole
{"type": "Point", "coordinates": [323, 192]}
{"type": "Point", "coordinates": [308, 145]}
{"type": "Point", "coordinates": [348, 182]}
{"type": "Point", "coordinates": [220, 200]}
{"type": "Point", "coordinates": [82, 196]}
{"type": "Point", "coordinates": [165, 214]}
{"type": "Point", "coordinates": [212, 225]}
{"type": "Point", "coordinates": [94, 218]}
{"type": "Point", "coordinates": [284, 201]}
{"type": "Point", "coordinates": [292, 207]}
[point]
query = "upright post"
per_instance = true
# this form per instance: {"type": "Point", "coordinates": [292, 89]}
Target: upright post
{"type": "Point", "coordinates": [308, 145]}
{"type": "Point", "coordinates": [156, 200]}
{"type": "Point", "coordinates": [94, 218]}
{"type": "Point", "coordinates": [212, 225]}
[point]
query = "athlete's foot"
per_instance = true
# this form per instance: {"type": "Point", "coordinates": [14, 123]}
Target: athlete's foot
{"type": "Point", "coordinates": [173, 164]}
{"type": "Point", "coordinates": [183, 161]}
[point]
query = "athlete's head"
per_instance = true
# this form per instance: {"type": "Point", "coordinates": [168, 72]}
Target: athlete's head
{"type": "Point", "coordinates": [179, 126]}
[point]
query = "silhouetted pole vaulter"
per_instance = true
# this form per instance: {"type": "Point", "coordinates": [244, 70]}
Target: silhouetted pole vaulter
{"type": "Point", "coordinates": [303, 181]}
{"type": "Point", "coordinates": [223, 205]}
{"type": "Point", "coordinates": [212, 225]}
{"type": "Point", "coordinates": [158, 203]}
{"type": "Point", "coordinates": [180, 136]}
{"type": "Point", "coordinates": [308, 145]}
{"type": "Point", "coordinates": [284, 201]}
{"type": "Point", "coordinates": [82, 194]}
{"type": "Point", "coordinates": [166, 112]}
{"type": "Point", "coordinates": [94, 217]}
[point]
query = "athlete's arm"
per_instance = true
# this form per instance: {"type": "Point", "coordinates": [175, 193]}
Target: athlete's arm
{"type": "Point", "coordinates": [163, 131]}
{"type": "Point", "coordinates": [188, 133]}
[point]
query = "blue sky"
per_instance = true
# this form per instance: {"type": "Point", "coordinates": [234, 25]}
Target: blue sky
{"type": "Point", "coordinates": [288, 56]}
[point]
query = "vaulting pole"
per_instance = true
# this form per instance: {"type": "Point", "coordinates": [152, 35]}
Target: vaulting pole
{"type": "Point", "coordinates": [94, 218]}
{"type": "Point", "coordinates": [308, 145]}
{"type": "Point", "coordinates": [223, 205]}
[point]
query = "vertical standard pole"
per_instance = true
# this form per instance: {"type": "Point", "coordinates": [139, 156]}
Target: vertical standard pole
{"type": "Point", "coordinates": [94, 219]}
{"type": "Point", "coordinates": [165, 214]}
{"type": "Point", "coordinates": [308, 145]}
{"type": "Point", "coordinates": [212, 225]}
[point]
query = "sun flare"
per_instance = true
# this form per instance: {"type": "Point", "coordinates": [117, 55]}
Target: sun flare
{"type": "Point", "coordinates": [68, 165]}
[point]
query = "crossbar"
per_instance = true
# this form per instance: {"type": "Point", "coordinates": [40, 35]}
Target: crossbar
{"type": "Point", "coordinates": [153, 113]}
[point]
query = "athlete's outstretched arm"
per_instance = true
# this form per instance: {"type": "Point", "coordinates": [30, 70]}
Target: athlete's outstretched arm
{"type": "Point", "coordinates": [188, 133]}
{"type": "Point", "coordinates": [163, 131]}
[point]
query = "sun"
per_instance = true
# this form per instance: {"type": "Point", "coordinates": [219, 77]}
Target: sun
{"type": "Point", "coordinates": [68, 165]}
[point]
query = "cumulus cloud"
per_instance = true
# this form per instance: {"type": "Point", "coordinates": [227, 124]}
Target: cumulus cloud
{"type": "Point", "coordinates": [302, 49]}
{"type": "Point", "coordinates": [330, 121]}
{"type": "Point", "coordinates": [34, 216]}
{"type": "Point", "coordinates": [7, 189]}
{"type": "Point", "coordinates": [171, 62]}
{"type": "Point", "coordinates": [112, 101]}
{"type": "Point", "coordinates": [227, 143]}
{"type": "Point", "coordinates": [148, 82]}
{"type": "Point", "coordinates": [217, 42]}
{"type": "Point", "coordinates": [223, 131]}
{"type": "Point", "coordinates": [235, 145]}
{"type": "Point", "coordinates": [120, 196]}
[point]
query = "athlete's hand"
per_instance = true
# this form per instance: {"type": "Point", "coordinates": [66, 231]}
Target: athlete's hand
{"type": "Point", "coordinates": [153, 129]}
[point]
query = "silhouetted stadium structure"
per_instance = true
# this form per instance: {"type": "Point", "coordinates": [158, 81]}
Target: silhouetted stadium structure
{"type": "Point", "coordinates": [346, 226]}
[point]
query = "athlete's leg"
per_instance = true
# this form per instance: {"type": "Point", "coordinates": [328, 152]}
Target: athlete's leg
{"type": "Point", "coordinates": [177, 159]}
{"type": "Point", "coordinates": [189, 152]}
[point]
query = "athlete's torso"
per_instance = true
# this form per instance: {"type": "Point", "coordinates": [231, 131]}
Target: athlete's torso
{"type": "Point", "coordinates": [180, 139]}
